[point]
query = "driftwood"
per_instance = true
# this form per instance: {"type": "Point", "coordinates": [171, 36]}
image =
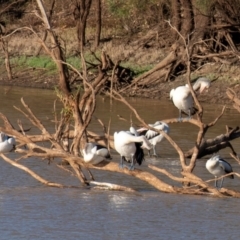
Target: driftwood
{"type": "Point", "coordinates": [72, 131]}
{"type": "Point", "coordinates": [209, 34]}
{"type": "Point", "coordinates": [211, 146]}
{"type": "Point", "coordinates": [30, 145]}
{"type": "Point", "coordinates": [29, 171]}
{"type": "Point", "coordinates": [34, 149]}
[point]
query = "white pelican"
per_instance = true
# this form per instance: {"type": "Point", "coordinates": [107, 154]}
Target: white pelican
{"type": "Point", "coordinates": [152, 136]}
{"type": "Point", "coordinates": [218, 167]}
{"type": "Point", "coordinates": [95, 153]}
{"type": "Point", "coordinates": [129, 146]}
{"type": "Point", "coordinates": [7, 143]}
{"type": "Point", "coordinates": [182, 97]}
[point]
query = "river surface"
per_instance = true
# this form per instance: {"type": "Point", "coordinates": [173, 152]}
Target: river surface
{"type": "Point", "coordinates": [29, 210]}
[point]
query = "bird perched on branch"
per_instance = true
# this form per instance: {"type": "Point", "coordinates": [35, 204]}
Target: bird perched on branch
{"type": "Point", "coordinates": [95, 153]}
{"type": "Point", "coordinates": [153, 136]}
{"type": "Point", "coordinates": [130, 147]}
{"type": "Point", "coordinates": [7, 143]}
{"type": "Point", "coordinates": [218, 167]}
{"type": "Point", "coordinates": [182, 97]}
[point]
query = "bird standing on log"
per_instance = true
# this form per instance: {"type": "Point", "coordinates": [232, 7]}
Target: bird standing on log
{"type": "Point", "coordinates": [130, 147]}
{"type": "Point", "coordinates": [7, 143]}
{"type": "Point", "coordinates": [95, 153]}
{"type": "Point", "coordinates": [153, 136]}
{"type": "Point", "coordinates": [218, 167]}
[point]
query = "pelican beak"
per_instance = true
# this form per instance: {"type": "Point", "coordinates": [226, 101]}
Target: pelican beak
{"type": "Point", "coordinates": [202, 89]}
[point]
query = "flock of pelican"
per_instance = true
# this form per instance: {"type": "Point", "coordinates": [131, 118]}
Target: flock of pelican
{"type": "Point", "coordinates": [130, 144]}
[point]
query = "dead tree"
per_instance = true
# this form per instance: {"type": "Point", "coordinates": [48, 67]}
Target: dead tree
{"type": "Point", "coordinates": [34, 148]}
{"type": "Point", "coordinates": [56, 52]}
{"type": "Point", "coordinates": [211, 146]}
{"type": "Point", "coordinates": [30, 146]}
{"type": "Point", "coordinates": [4, 47]}
{"type": "Point", "coordinates": [72, 126]}
{"type": "Point", "coordinates": [80, 13]}
{"type": "Point", "coordinates": [98, 20]}
{"type": "Point", "coordinates": [5, 10]}
{"type": "Point", "coordinates": [44, 37]}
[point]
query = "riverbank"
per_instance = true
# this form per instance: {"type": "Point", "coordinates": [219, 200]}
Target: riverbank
{"type": "Point", "coordinates": [222, 76]}
{"type": "Point", "coordinates": [139, 50]}
{"type": "Point", "coordinates": [35, 78]}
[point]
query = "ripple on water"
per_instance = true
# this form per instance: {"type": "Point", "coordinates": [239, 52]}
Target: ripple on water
{"type": "Point", "coordinates": [29, 210]}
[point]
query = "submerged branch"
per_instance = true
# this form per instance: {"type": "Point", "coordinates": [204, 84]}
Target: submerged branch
{"type": "Point", "coordinates": [31, 173]}
{"type": "Point", "coordinates": [110, 186]}
{"type": "Point", "coordinates": [189, 178]}
{"type": "Point", "coordinates": [142, 175]}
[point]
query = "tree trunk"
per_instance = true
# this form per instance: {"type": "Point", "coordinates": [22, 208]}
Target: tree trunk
{"type": "Point", "coordinates": [81, 11]}
{"type": "Point", "coordinates": [186, 18]}
{"type": "Point", "coordinates": [57, 54]}
{"type": "Point", "coordinates": [45, 32]}
{"type": "Point", "coordinates": [98, 23]}
{"type": "Point", "coordinates": [176, 21]}
{"type": "Point", "coordinates": [4, 45]}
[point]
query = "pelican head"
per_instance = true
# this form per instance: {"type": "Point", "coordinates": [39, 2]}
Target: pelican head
{"type": "Point", "coordinates": [202, 84]}
{"type": "Point", "coordinates": [11, 141]}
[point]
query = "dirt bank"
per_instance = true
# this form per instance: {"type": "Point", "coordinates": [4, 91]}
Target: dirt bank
{"type": "Point", "coordinates": [216, 94]}
{"type": "Point", "coordinates": [223, 76]}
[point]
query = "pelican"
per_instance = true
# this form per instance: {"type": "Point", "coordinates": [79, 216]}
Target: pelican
{"type": "Point", "coordinates": [218, 167]}
{"type": "Point", "coordinates": [95, 153]}
{"type": "Point", "coordinates": [129, 145]}
{"type": "Point", "coordinates": [182, 97]}
{"type": "Point", "coordinates": [152, 136]}
{"type": "Point", "coordinates": [7, 143]}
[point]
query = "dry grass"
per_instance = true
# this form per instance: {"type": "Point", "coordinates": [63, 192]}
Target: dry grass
{"type": "Point", "coordinates": [117, 48]}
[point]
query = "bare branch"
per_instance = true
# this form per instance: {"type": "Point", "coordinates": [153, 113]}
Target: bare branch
{"type": "Point", "coordinates": [30, 172]}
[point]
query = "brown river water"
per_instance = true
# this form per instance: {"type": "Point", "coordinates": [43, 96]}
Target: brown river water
{"type": "Point", "coordinates": [29, 210]}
